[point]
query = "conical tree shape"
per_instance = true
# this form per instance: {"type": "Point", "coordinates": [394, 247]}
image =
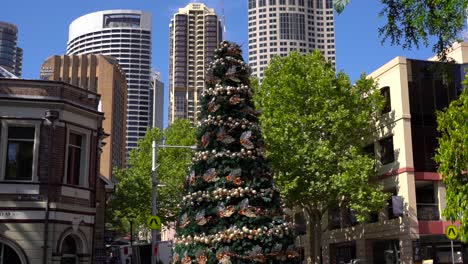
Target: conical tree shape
{"type": "Point", "coordinates": [231, 212]}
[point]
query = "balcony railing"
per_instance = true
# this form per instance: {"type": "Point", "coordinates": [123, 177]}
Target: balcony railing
{"type": "Point", "coordinates": [428, 212]}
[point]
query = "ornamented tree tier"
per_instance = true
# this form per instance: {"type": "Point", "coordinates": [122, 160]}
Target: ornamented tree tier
{"type": "Point", "coordinates": [231, 212]}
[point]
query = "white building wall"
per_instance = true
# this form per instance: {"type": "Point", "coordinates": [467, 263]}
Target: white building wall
{"type": "Point", "coordinates": [130, 44]}
{"type": "Point", "coordinates": [277, 27]}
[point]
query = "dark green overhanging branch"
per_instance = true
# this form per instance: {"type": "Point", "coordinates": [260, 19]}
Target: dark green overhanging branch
{"type": "Point", "coordinates": [414, 23]}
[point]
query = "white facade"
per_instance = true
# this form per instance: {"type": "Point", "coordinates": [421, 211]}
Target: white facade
{"type": "Point", "coordinates": [125, 35]}
{"type": "Point", "coordinates": [277, 27]}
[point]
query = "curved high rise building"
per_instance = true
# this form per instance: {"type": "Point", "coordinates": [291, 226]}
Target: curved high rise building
{"type": "Point", "coordinates": [277, 27]}
{"type": "Point", "coordinates": [11, 56]}
{"type": "Point", "coordinates": [125, 35]}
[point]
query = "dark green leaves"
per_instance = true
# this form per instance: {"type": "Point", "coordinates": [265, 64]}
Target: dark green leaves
{"type": "Point", "coordinates": [411, 23]}
{"type": "Point", "coordinates": [452, 157]}
{"type": "Point", "coordinates": [315, 123]}
{"type": "Point", "coordinates": [340, 5]}
{"type": "Point", "coordinates": [132, 198]}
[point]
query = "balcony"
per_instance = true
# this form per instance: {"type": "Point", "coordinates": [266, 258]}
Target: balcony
{"type": "Point", "coordinates": [428, 212]}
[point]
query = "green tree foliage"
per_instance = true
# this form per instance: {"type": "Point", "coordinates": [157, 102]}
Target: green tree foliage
{"type": "Point", "coordinates": [315, 124]}
{"type": "Point", "coordinates": [452, 157]}
{"type": "Point", "coordinates": [231, 212]}
{"type": "Point", "coordinates": [132, 198]}
{"type": "Point", "coordinates": [412, 22]}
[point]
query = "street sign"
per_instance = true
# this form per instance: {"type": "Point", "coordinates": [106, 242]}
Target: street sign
{"type": "Point", "coordinates": [451, 232]}
{"type": "Point", "coordinates": [154, 222]}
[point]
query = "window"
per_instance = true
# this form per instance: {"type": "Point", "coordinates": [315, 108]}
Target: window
{"type": "Point", "coordinates": [385, 92]}
{"type": "Point", "coordinates": [18, 152]}
{"type": "Point", "coordinates": [319, 4]}
{"type": "Point", "coordinates": [387, 251]}
{"type": "Point", "coordinates": [19, 158]}
{"type": "Point", "coordinates": [8, 255]}
{"type": "Point", "coordinates": [387, 154]}
{"type": "Point", "coordinates": [76, 170]}
{"type": "Point", "coordinates": [69, 251]}
{"type": "Point", "coordinates": [369, 150]}
{"type": "Point", "coordinates": [122, 20]}
{"type": "Point", "coordinates": [292, 26]}
{"type": "Point", "coordinates": [74, 159]}
{"type": "Point", "coordinates": [300, 223]}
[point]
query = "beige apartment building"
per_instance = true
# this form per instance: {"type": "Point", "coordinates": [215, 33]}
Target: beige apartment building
{"type": "Point", "coordinates": [103, 75]}
{"type": "Point", "coordinates": [195, 33]}
{"type": "Point", "coordinates": [411, 229]}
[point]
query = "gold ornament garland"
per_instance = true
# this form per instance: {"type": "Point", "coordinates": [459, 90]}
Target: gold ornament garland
{"type": "Point", "coordinates": [235, 233]}
{"type": "Point", "coordinates": [221, 193]}
{"type": "Point", "coordinates": [230, 122]}
{"type": "Point", "coordinates": [246, 154]}
{"type": "Point", "coordinates": [228, 59]}
{"type": "Point", "coordinates": [228, 90]}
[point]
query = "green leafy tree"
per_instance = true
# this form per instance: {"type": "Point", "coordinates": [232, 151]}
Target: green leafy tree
{"type": "Point", "coordinates": [452, 157]}
{"type": "Point", "coordinates": [132, 198]}
{"type": "Point", "coordinates": [316, 124]}
{"type": "Point", "coordinates": [231, 212]}
{"type": "Point", "coordinates": [411, 23]}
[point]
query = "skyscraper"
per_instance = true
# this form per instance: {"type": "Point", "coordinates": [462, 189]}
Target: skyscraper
{"type": "Point", "coordinates": [195, 32]}
{"type": "Point", "coordinates": [157, 105]}
{"type": "Point", "coordinates": [125, 35]}
{"type": "Point", "coordinates": [277, 27]}
{"type": "Point", "coordinates": [11, 56]}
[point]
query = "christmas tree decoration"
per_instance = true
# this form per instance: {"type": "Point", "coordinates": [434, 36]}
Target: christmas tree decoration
{"type": "Point", "coordinates": [232, 211]}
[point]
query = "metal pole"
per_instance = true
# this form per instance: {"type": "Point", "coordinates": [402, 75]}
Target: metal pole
{"type": "Point", "coordinates": [453, 256]}
{"type": "Point", "coordinates": [51, 116]}
{"type": "Point", "coordinates": [153, 201]}
{"type": "Point", "coordinates": [154, 211]}
{"type": "Point", "coordinates": [131, 233]}
{"type": "Point", "coordinates": [47, 209]}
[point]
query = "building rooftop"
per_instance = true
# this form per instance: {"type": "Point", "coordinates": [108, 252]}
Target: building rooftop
{"type": "Point", "coordinates": [48, 91]}
{"type": "Point", "coordinates": [6, 74]}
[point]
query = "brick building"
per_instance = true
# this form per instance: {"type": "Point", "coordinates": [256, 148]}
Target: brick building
{"type": "Point", "coordinates": [50, 193]}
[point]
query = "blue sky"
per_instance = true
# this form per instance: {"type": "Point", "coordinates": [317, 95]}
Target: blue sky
{"type": "Point", "coordinates": [43, 31]}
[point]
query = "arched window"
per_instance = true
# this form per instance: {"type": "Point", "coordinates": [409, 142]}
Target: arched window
{"type": "Point", "coordinates": [69, 251]}
{"type": "Point", "coordinates": [8, 255]}
{"type": "Point", "coordinates": [11, 253]}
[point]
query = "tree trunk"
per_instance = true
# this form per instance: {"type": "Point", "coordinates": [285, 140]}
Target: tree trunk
{"type": "Point", "coordinates": [315, 239]}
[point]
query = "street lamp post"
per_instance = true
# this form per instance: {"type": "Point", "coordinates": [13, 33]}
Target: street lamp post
{"type": "Point", "coordinates": [154, 210]}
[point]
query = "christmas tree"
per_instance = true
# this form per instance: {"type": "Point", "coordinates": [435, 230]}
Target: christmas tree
{"type": "Point", "coordinates": [231, 212]}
